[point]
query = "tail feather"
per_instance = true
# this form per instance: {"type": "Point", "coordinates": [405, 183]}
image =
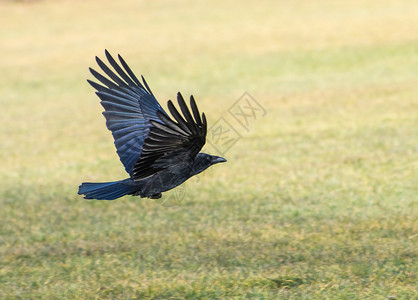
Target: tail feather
{"type": "Point", "coordinates": [106, 190]}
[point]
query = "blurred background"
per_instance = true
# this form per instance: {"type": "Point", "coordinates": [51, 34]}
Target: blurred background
{"type": "Point", "coordinates": [318, 198]}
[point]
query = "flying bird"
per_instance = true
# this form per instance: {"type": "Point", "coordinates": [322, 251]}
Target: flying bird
{"type": "Point", "coordinates": [158, 152]}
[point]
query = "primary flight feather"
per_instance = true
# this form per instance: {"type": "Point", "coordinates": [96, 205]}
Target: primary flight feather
{"type": "Point", "coordinates": [157, 151]}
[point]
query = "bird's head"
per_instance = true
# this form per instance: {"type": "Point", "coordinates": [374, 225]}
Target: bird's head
{"type": "Point", "coordinates": [204, 161]}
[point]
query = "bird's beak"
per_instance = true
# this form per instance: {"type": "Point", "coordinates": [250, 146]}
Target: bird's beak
{"type": "Point", "coordinates": [218, 160]}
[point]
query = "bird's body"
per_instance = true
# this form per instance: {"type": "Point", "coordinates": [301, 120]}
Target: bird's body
{"type": "Point", "coordinates": [158, 153]}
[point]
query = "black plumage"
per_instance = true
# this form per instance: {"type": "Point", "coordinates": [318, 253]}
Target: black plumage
{"type": "Point", "coordinates": [158, 152]}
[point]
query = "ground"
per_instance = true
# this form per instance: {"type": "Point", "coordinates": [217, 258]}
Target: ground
{"type": "Point", "coordinates": [318, 199]}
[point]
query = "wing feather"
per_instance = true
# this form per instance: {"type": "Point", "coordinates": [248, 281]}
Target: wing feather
{"type": "Point", "coordinates": [180, 121]}
{"type": "Point", "coordinates": [186, 113]}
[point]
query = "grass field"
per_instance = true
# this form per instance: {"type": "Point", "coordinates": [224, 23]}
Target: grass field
{"type": "Point", "coordinates": [318, 199]}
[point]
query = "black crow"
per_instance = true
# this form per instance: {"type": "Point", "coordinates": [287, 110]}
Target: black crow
{"type": "Point", "coordinates": [158, 152]}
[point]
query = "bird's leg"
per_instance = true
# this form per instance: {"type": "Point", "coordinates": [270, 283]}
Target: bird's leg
{"type": "Point", "coordinates": [156, 196]}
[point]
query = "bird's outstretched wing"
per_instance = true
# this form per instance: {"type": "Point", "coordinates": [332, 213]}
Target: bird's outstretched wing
{"type": "Point", "coordinates": [146, 138]}
{"type": "Point", "coordinates": [172, 142]}
{"type": "Point", "coordinates": [129, 106]}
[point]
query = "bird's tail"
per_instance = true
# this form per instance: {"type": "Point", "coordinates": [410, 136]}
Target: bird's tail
{"type": "Point", "coordinates": [106, 190]}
